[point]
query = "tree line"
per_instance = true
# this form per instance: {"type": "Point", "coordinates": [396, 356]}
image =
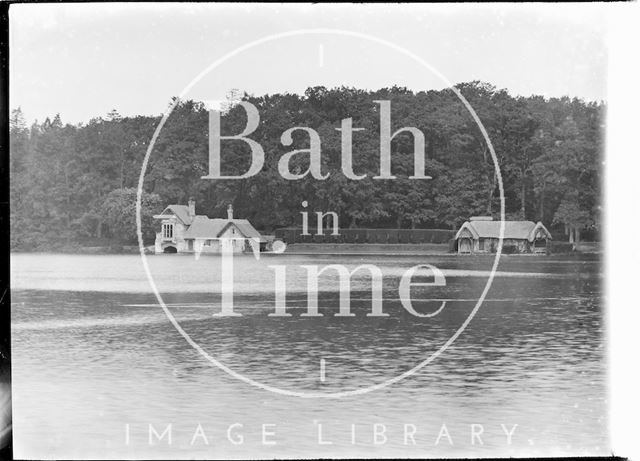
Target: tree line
{"type": "Point", "coordinates": [75, 184]}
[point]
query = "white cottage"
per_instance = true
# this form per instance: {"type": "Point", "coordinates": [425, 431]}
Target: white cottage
{"type": "Point", "coordinates": [182, 231]}
{"type": "Point", "coordinates": [481, 235]}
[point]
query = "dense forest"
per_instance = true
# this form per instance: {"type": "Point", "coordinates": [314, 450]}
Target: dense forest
{"type": "Point", "coordinates": [75, 185]}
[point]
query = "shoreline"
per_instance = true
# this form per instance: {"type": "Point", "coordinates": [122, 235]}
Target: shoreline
{"type": "Point", "coordinates": [329, 249]}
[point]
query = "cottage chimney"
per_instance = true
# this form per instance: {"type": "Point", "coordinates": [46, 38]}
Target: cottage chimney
{"type": "Point", "coordinates": [230, 212]}
{"type": "Point", "coordinates": [192, 207]}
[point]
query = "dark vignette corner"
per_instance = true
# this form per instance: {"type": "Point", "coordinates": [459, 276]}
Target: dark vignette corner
{"type": "Point", "coordinates": [6, 439]}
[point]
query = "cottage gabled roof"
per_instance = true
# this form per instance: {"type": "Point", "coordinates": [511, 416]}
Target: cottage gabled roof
{"type": "Point", "coordinates": [180, 211]}
{"type": "Point", "coordinates": [203, 227]}
{"type": "Point", "coordinates": [522, 230]}
{"type": "Point", "coordinates": [247, 229]}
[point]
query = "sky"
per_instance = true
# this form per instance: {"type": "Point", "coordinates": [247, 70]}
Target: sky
{"type": "Point", "coordinates": [83, 60]}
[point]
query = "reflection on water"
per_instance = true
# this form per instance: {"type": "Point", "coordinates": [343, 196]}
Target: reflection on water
{"type": "Point", "coordinates": [93, 352]}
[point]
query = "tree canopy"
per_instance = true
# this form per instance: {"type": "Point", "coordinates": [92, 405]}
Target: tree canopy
{"type": "Point", "coordinates": [68, 181]}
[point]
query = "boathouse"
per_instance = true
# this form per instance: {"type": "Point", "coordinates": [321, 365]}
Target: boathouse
{"type": "Point", "coordinates": [481, 235]}
{"type": "Point", "coordinates": [182, 231]}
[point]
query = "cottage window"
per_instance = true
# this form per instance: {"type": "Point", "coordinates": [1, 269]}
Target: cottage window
{"type": "Point", "coordinates": [167, 231]}
{"type": "Point", "coordinates": [481, 244]}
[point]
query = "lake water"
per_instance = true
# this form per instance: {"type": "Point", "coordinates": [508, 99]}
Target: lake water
{"type": "Point", "coordinates": [97, 363]}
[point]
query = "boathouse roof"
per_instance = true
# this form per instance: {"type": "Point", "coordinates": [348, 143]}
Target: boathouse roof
{"type": "Point", "coordinates": [519, 230]}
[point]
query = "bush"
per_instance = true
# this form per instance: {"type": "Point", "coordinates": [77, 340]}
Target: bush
{"type": "Point", "coordinates": [119, 211]}
{"type": "Point", "coordinates": [453, 245]}
{"type": "Point", "coordinates": [561, 247]}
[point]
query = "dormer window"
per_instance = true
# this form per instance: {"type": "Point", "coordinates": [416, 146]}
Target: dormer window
{"type": "Point", "coordinates": [167, 231]}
